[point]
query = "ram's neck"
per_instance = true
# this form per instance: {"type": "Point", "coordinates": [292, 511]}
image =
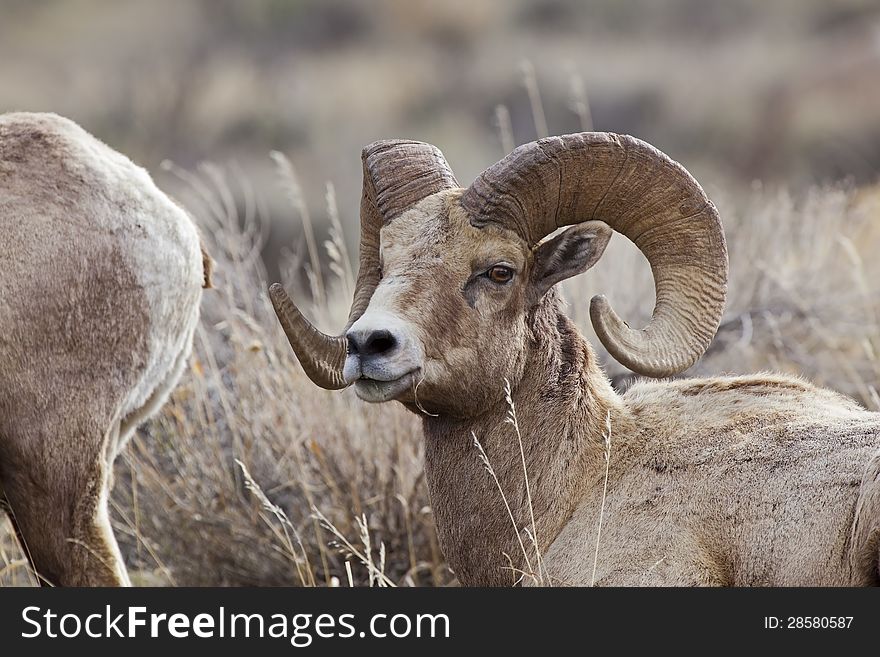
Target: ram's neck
{"type": "Point", "coordinates": [562, 405]}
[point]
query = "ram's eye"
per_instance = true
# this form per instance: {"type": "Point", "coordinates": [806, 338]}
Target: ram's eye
{"type": "Point", "coordinates": [500, 274]}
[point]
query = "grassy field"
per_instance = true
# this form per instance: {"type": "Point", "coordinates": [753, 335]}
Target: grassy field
{"type": "Point", "coordinates": [251, 475]}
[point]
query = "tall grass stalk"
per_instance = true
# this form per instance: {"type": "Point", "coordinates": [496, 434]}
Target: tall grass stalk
{"type": "Point", "coordinates": [514, 422]}
{"type": "Point", "coordinates": [290, 183]}
{"type": "Point", "coordinates": [505, 129]}
{"type": "Point", "coordinates": [607, 454]}
{"type": "Point", "coordinates": [530, 82]}
{"type": "Point", "coordinates": [484, 459]}
{"type": "Point", "coordinates": [579, 103]}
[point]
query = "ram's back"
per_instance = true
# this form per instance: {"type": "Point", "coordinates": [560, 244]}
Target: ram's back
{"type": "Point", "coordinates": [751, 480]}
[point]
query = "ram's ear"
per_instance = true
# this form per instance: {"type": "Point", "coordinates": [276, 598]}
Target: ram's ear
{"type": "Point", "coordinates": [570, 253]}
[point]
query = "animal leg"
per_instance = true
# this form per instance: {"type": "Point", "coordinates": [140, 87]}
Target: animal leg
{"type": "Point", "coordinates": [59, 511]}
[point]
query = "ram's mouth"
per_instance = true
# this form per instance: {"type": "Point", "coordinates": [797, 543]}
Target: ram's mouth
{"type": "Point", "coordinates": [374, 390]}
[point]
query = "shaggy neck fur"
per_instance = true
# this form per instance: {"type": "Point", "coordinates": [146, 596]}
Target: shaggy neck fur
{"type": "Point", "coordinates": [562, 422]}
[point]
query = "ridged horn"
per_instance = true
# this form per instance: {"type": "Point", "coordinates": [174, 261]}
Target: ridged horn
{"type": "Point", "coordinates": [397, 174]}
{"type": "Point", "coordinates": [321, 356]}
{"type": "Point", "coordinates": [642, 194]}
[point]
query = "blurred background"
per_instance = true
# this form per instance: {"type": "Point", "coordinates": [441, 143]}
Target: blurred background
{"type": "Point", "coordinates": [254, 114]}
{"type": "Point", "coordinates": [785, 91]}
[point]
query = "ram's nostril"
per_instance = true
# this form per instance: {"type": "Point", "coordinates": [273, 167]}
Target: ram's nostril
{"type": "Point", "coordinates": [366, 342]}
{"type": "Point", "coordinates": [379, 342]}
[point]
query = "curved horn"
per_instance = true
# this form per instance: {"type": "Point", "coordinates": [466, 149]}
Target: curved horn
{"type": "Point", "coordinates": [642, 194]}
{"type": "Point", "coordinates": [397, 175]}
{"type": "Point", "coordinates": [321, 356]}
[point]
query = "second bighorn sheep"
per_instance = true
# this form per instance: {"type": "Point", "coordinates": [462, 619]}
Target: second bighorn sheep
{"type": "Point", "coordinates": [744, 480]}
{"type": "Point", "coordinates": [100, 280]}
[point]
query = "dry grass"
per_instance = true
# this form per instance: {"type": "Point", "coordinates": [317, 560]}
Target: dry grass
{"type": "Point", "coordinates": [330, 490]}
{"type": "Point", "coordinates": [606, 438]}
{"type": "Point", "coordinates": [534, 570]}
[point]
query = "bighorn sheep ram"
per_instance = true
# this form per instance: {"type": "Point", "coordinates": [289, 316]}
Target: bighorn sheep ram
{"type": "Point", "coordinates": [100, 281]}
{"type": "Point", "coordinates": [744, 480]}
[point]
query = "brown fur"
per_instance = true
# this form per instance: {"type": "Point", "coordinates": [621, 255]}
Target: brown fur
{"type": "Point", "coordinates": [100, 277]}
{"type": "Point", "coordinates": [207, 269]}
{"type": "Point", "coordinates": [756, 480]}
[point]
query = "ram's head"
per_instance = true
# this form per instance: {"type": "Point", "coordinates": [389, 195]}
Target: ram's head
{"type": "Point", "coordinates": [451, 279]}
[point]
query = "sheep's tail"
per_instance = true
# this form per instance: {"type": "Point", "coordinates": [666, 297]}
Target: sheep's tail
{"type": "Point", "coordinates": [207, 268]}
{"type": "Point", "coordinates": [865, 537]}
